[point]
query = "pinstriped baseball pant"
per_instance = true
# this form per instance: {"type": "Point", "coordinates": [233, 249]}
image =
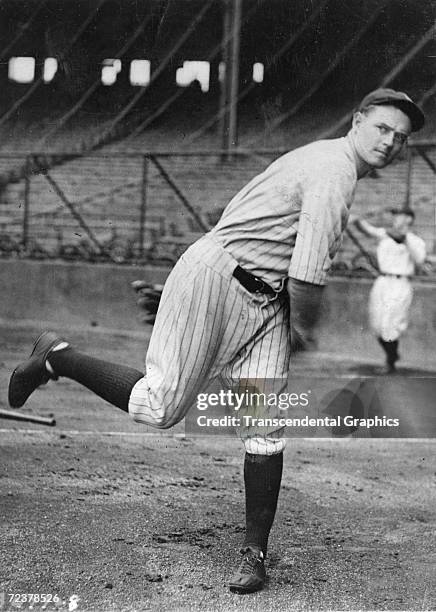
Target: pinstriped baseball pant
{"type": "Point", "coordinates": [208, 326]}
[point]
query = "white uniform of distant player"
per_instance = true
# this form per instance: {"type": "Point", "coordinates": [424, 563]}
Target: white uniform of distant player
{"type": "Point", "coordinates": [392, 292]}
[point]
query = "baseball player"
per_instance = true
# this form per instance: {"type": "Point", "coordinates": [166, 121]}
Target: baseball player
{"type": "Point", "coordinates": [241, 299]}
{"type": "Point", "coordinates": [399, 253]}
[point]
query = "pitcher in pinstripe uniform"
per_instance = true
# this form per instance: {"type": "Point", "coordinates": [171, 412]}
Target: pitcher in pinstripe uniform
{"type": "Point", "coordinates": [241, 299]}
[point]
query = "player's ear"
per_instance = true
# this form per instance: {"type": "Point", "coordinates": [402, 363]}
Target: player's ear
{"type": "Point", "coordinates": [357, 119]}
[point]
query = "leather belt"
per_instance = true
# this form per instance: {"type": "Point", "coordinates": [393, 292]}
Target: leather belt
{"type": "Point", "coordinates": [252, 283]}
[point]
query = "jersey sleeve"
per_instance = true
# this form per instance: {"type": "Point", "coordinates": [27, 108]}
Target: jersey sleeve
{"type": "Point", "coordinates": [323, 216]}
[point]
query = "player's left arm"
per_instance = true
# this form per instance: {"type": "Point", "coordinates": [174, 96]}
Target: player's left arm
{"type": "Point", "coordinates": [416, 248]}
{"type": "Point", "coordinates": [305, 300]}
{"type": "Point", "coordinates": [322, 219]}
{"type": "Point", "coordinates": [321, 222]}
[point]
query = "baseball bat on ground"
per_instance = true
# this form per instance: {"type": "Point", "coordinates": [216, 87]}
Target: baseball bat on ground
{"type": "Point", "coordinates": [19, 416]}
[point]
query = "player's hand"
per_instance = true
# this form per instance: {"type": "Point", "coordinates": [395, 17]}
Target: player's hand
{"type": "Point", "coordinates": [305, 307]}
{"type": "Point", "coordinates": [148, 298]}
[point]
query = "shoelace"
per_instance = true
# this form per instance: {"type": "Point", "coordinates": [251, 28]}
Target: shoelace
{"type": "Point", "coordinates": [249, 563]}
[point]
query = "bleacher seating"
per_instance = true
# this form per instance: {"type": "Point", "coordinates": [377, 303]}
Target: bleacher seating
{"type": "Point", "coordinates": [105, 189]}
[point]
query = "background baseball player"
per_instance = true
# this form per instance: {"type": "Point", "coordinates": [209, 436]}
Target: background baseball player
{"type": "Point", "coordinates": [399, 253]}
{"type": "Point", "coordinates": [225, 310]}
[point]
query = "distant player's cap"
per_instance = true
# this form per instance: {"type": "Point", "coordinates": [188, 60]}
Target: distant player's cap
{"type": "Point", "coordinates": [406, 210]}
{"type": "Point", "coordinates": [398, 99]}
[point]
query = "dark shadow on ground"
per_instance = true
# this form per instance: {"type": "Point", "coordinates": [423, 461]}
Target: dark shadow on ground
{"type": "Point", "coordinates": [371, 369]}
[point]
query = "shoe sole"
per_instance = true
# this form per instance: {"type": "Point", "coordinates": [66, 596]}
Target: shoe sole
{"type": "Point", "coordinates": [240, 590]}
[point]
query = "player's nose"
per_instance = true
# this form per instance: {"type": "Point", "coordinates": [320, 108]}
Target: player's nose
{"type": "Point", "coordinates": [388, 140]}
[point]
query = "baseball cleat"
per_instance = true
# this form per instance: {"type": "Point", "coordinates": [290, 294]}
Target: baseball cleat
{"type": "Point", "coordinates": [387, 370]}
{"type": "Point", "coordinates": [32, 373]}
{"type": "Point", "coordinates": [250, 575]}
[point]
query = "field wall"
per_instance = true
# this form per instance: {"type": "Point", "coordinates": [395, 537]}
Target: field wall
{"type": "Point", "coordinates": [99, 295]}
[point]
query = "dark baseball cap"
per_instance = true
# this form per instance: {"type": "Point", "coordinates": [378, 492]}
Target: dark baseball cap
{"type": "Point", "coordinates": [402, 211]}
{"type": "Point", "coordinates": [398, 99]}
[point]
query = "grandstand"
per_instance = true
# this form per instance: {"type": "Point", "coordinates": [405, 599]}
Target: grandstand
{"type": "Point", "coordinates": [98, 167]}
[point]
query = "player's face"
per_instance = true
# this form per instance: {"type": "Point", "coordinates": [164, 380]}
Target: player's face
{"type": "Point", "coordinates": [379, 134]}
{"type": "Point", "coordinates": [402, 223]}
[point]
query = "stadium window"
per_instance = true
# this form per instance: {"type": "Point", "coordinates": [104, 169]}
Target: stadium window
{"type": "Point", "coordinates": [194, 71]}
{"type": "Point", "coordinates": [21, 69]}
{"type": "Point", "coordinates": [50, 69]}
{"type": "Point", "coordinates": [109, 71]}
{"type": "Point", "coordinates": [258, 72]}
{"type": "Point", "coordinates": [140, 72]}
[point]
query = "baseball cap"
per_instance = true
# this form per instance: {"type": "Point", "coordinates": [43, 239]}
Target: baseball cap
{"type": "Point", "coordinates": [405, 210]}
{"type": "Point", "coordinates": [398, 99]}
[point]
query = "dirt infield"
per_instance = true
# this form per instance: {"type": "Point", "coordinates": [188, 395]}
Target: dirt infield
{"type": "Point", "coordinates": [102, 509]}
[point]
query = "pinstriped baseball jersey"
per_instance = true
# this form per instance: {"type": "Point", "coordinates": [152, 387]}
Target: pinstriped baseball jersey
{"type": "Point", "coordinates": [288, 221]}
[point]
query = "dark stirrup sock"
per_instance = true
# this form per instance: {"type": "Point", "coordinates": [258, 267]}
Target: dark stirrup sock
{"type": "Point", "coordinates": [112, 382]}
{"type": "Point", "coordinates": [262, 475]}
{"type": "Point", "coordinates": [391, 350]}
